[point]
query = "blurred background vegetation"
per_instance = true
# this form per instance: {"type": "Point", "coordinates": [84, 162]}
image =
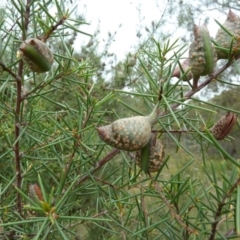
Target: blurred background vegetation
{"type": "Point", "coordinates": [90, 190]}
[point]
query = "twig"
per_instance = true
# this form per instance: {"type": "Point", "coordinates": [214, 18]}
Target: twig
{"type": "Point", "coordinates": [26, 19]}
{"type": "Point", "coordinates": [6, 69]}
{"type": "Point", "coordinates": [99, 164]}
{"type": "Point", "coordinates": [8, 31]}
{"type": "Point", "coordinates": [219, 209]}
{"type": "Point", "coordinates": [174, 214]}
{"type": "Point", "coordinates": [53, 28]}
{"type": "Point", "coordinates": [17, 121]}
{"type": "Point", "coordinates": [105, 183]}
{"type": "Point", "coordinates": [145, 213]}
{"type": "Point", "coordinates": [87, 116]}
{"type": "Point", "coordinates": [230, 232]}
{"type": "Point", "coordinates": [43, 84]}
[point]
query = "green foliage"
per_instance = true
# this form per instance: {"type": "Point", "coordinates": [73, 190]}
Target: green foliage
{"type": "Point", "coordinates": [58, 180]}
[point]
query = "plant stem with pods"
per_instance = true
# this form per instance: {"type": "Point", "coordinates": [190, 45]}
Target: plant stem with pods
{"type": "Point", "coordinates": [19, 98]}
{"type": "Point", "coordinates": [17, 119]}
{"type": "Point", "coordinates": [187, 96]}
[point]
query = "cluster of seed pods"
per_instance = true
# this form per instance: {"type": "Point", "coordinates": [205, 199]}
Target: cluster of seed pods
{"type": "Point", "coordinates": [203, 55]}
{"type": "Point", "coordinates": [134, 134]}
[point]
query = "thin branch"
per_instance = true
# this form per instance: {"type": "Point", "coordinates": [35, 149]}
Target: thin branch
{"type": "Point", "coordinates": [145, 213]}
{"type": "Point", "coordinates": [87, 116]}
{"type": "Point", "coordinates": [26, 19]}
{"type": "Point", "coordinates": [170, 207]}
{"type": "Point", "coordinates": [220, 207]}
{"type": "Point", "coordinates": [53, 28]}
{"type": "Point", "coordinates": [210, 79]}
{"type": "Point", "coordinates": [43, 84]}
{"type": "Point", "coordinates": [6, 69]}
{"type": "Point", "coordinates": [17, 120]}
{"type": "Point", "coordinates": [11, 29]}
{"type": "Point", "coordinates": [99, 164]}
{"type": "Point", "coordinates": [105, 183]}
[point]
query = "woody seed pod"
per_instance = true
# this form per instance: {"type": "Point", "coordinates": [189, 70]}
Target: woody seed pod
{"type": "Point", "coordinates": [36, 54]}
{"type": "Point", "coordinates": [224, 125]}
{"type": "Point", "coordinates": [35, 193]}
{"type": "Point", "coordinates": [129, 134]}
{"type": "Point", "coordinates": [202, 55]}
{"type": "Point", "coordinates": [150, 158]}
{"type": "Point", "coordinates": [224, 39]}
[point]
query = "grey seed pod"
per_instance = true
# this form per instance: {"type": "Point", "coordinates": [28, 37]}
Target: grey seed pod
{"type": "Point", "coordinates": [36, 54]}
{"type": "Point", "coordinates": [202, 55]}
{"type": "Point", "coordinates": [224, 39]}
{"type": "Point", "coordinates": [129, 134]}
{"type": "Point", "coordinates": [132, 61]}
{"type": "Point", "coordinates": [224, 125]}
{"type": "Point", "coordinates": [154, 159]}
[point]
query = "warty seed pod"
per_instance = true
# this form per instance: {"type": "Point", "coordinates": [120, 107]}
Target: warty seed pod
{"type": "Point", "coordinates": [224, 39]}
{"type": "Point", "coordinates": [202, 55]}
{"type": "Point", "coordinates": [224, 125]}
{"type": "Point", "coordinates": [36, 54]}
{"type": "Point", "coordinates": [150, 158]}
{"type": "Point", "coordinates": [129, 134]}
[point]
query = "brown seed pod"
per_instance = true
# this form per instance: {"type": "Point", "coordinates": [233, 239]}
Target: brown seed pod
{"type": "Point", "coordinates": [181, 71]}
{"type": "Point", "coordinates": [153, 159]}
{"type": "Point", "coordinates": [202, 55]}
{"type": "Point", "coordinates": [36, 54]}
{"type": "Point", "coordinates": [129, 134]}
{"type": "Point", "coordinates": [224, 39]}
{"type": "Point", "coordinates": [224, 125]}
{"type": "Point", "coordinates": [35, 193]}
